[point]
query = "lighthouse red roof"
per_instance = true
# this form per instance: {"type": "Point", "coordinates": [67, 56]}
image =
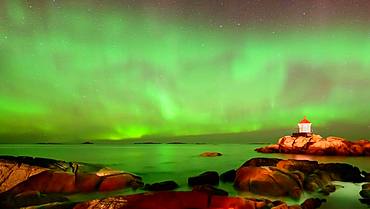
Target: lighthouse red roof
{"type": "Point", "coordinates": [305, 120]}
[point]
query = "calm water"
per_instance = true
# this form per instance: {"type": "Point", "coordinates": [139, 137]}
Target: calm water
{"type": "Point", "coordinates": [158, 162]}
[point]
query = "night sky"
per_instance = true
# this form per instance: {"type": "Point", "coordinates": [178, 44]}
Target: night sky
{"type": "Point", "coordinates": [94, 69]}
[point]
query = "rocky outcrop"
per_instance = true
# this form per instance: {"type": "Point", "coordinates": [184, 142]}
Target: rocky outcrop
{"type": "Point", "coordinates": [317, 145]}
{"type": "Point", "coordinates": [25, 178]}
{"type": "Point", "coordinates": [186, 200]}
{"type": "Point", "coordinates": [211, 154]}
{"type": "Point", "coordinates": [277, 177]}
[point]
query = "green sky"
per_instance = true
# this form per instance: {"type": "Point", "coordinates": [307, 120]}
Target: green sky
{"type": "Point", "coordinates": [71, 72]}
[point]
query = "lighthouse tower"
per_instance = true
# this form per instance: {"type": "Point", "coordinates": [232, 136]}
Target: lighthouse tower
{"type": "Point", "coordinates": [304, 128]}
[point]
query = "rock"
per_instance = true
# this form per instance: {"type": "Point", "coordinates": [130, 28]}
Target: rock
{"type": "Point", "coordinates": [261, 161]}
{"type": "Point", "coordinates": [31, 198]}
{"type": "Point", "coordinates": [316, 145]}
{"type": "Point", "coordinates": [366, 176]}
{"type": "Point", "coordinates": [327, 189]}
{"type": "Point", "coordinates": [365, 192]}
{"type": "Point", "coordinates": [273, 148]}
{"type": "Point", "coordinates": [87, 182]}
{"type": "Point", "coordinates": [120, 181]}
{"type": "Point", "coordinates": [228, 176]}
{"type": "Point", "coordinates": [13, 173]}
{"type": "Point", "coordinates": [209, 189]}
{"type": "Point", "coordinates": [365, 201]}
{"type": "Point", "coordinates": [87, 142]}
{"type": "Point", "coordinates": [356, 150]}
{"type": "Point", "coordinates": [209, 177]}
{"type": "Point", "coordinates": [330, 146]}
{"type": "Point", "coordinates": [268, 181]}
{"type": "Point", "coordinates": [210, 154]}
{"type": "Point", "coordinates": [318, 180]}
{"type": "Point", "coordinates": [281, 206]}
{"type": "Point", "coordinates": [366, 186]}
{"type": "Point", "coordinates": [304, 166]}
{"type": "Point", "coordinates": [161, 186]}
{"type": "Point", "coordinates": [342, 172]}
{"type": "Point", "coordinates": [312, 203]}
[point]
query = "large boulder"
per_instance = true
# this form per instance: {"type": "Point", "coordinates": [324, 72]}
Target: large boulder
{"type": "Point", "coordinates": [270, 181]}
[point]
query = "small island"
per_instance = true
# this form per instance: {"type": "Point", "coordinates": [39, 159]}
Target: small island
{"type": "Point", "coordinates": [306, 142]}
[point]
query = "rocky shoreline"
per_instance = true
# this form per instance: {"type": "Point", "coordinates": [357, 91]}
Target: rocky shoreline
{"type": "Point", "coordinates": [317, 145]}
{"type": "Point", "coordinates": [45, 183]}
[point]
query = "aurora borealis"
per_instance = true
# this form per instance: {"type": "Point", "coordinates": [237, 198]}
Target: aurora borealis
{"type": "Point", "coordinates": [74, 70]}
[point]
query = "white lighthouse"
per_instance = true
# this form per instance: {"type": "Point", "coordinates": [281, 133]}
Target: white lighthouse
{"type": "Point", "coordinates": [304, 128]}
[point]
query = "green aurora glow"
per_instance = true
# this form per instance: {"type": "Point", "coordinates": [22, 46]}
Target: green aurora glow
{"type": "Point", "coordinates": [70, 73]}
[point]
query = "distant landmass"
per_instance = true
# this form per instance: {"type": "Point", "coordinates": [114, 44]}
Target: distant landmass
{"type": "Point", "coordinates": [349, 131]}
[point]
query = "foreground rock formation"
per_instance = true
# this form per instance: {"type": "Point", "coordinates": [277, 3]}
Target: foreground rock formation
{"type": "Point", "coordinates": [317, 145]}
{"type": "Point", "coordinates": [26, 181]}
{"type": "Point", "coordinates": [187, 200]}
{"type": "Point", "coordinates": [31, 180]}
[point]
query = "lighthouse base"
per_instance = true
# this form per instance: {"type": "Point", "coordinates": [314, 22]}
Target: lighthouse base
{"type": "Point", "coordinates": [297, 134]}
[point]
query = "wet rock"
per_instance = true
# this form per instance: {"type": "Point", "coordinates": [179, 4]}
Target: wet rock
{"type": "Point", "coordinates": [312, 203]}
{"type": "Point", "coordinates": [31, 198]}
{"type": "Point", "coordinates": [209, 177]}
{"type": "Point", "coordinates": [228, 176]}
{"type": "Point", "coordinates": [366, 186]}
{"type": "Point", "coordinates": [161, 186]}
{"type": "Point", "coordinates": [210, 154]}
{"type": "Point", "coordinates": [87, 182]}
{"type": "Point", "coordinates": [305, 166]}
{"type": "Point", "coordinates": [273, 148]}
{"type": "Point", "coordinates": [317, 181]}
{"type": "Point", "coordinates": [269, 181]}
{"type": "Point", "coordinates": [366, 176]}
{"type": "Point", "coordinates": [261, 161]}
{"type": "Point", "coordinates": [209, 189]}
{"type": "Point", "coordinates": [365, 192]}
{"type": "Point", "coordinates": [120, 181]}
{"type": "Point", "coordinates": [342, 172]}
{"type": "Point", "coordinates": [365, 201]}
{"type": "Point", "coordinates": [281, 206]}
{"type": "Point", "coordinates": [327, 189]}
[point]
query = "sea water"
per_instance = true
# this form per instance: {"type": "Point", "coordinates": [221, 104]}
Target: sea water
{"type": "Point", "coordinates": [159, 162]}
